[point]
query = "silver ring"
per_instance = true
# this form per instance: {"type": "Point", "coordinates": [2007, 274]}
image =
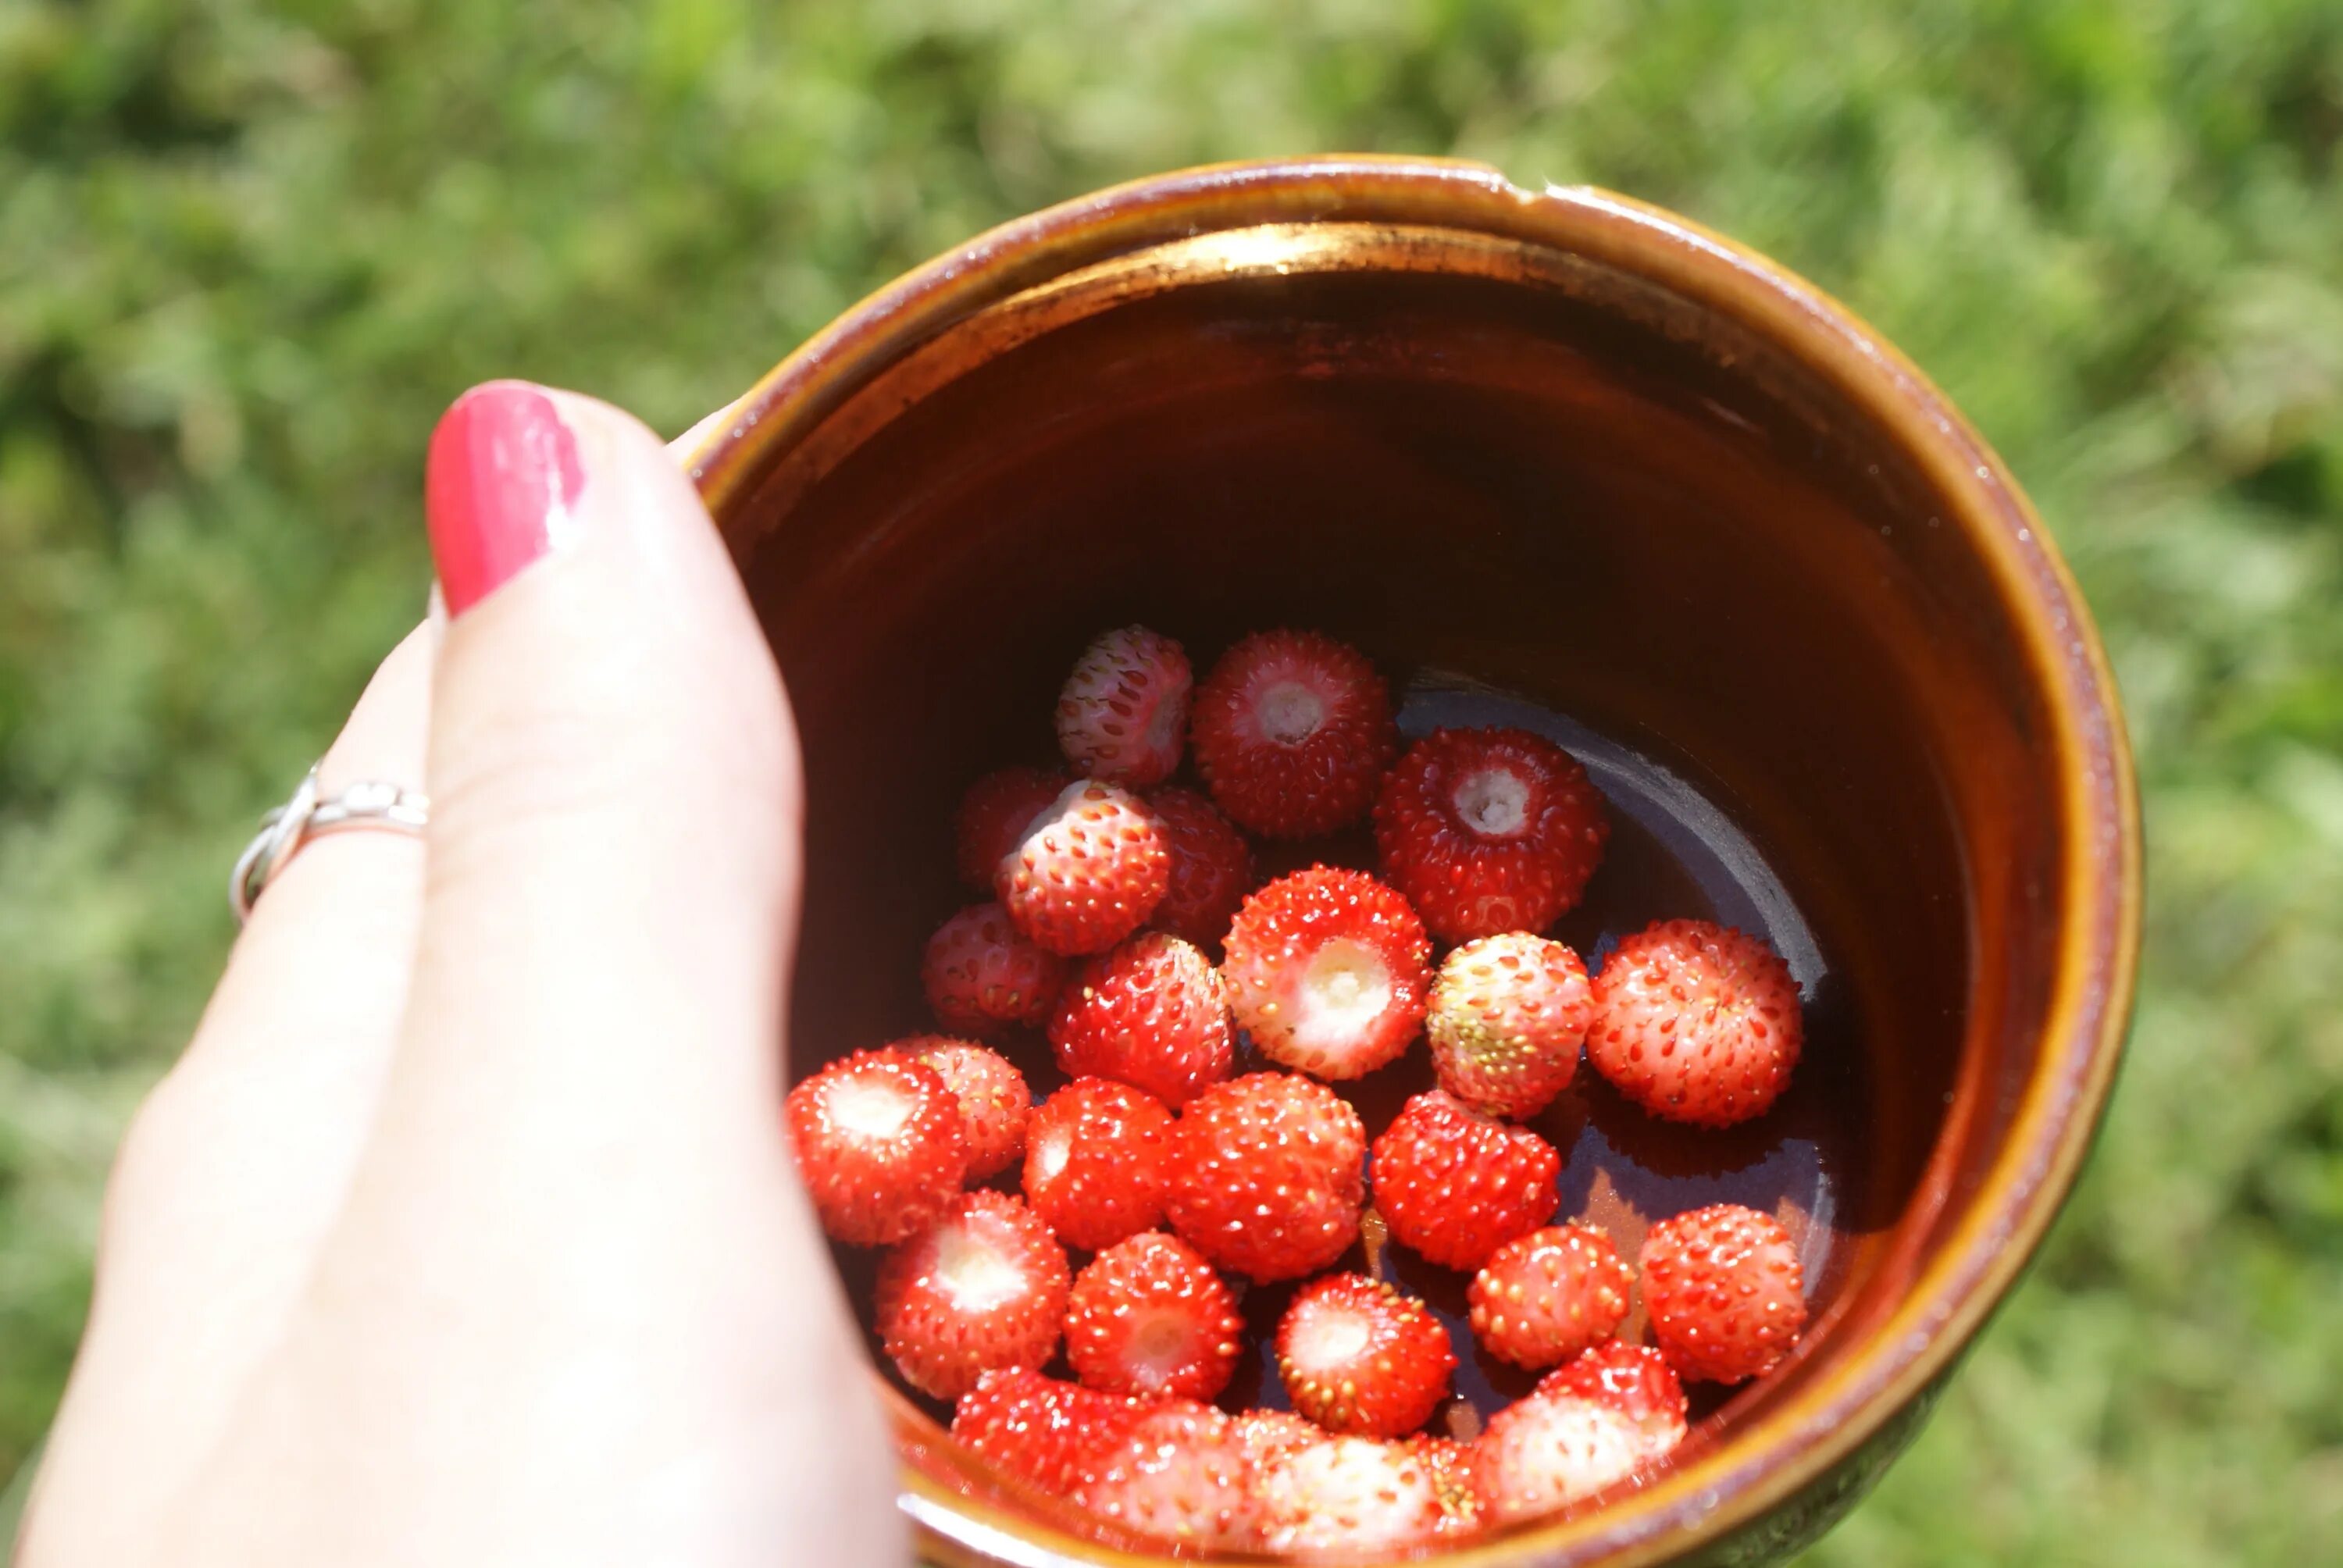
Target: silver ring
{"type": "Point", "coordinates": [307, 816]}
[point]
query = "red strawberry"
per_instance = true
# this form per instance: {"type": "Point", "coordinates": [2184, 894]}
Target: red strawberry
{"type": "Point", "coordinates": [878, 1143]}
{"type": "Point", "coordinates": [1150, 1317]}
{"type": "Point", "coordinates": [1123, 714]}
{"type": "Point", "coordinates": [1327, 972]}
{"type": "Point", "coordinates": [1633, 1380]}
{"type": "Point", "coordinates": [1089, 871]}
{"type": "Point", "coordinates": [1294, 732]}
{"type": "Point", "coordinates": [984, 1287]}
{"type": "Point", "coordinates": [1149, 1014]}
{"type": "Point", "coordinates": [1095, 1154]}
{"type": "Point", "coordinates": [993, 816]}
{"type": "Point", "coordinates": [1456, 1185]}
{"type": "Point", "coordinates": [1036, 1428]}
{"type": "Point", "coordinates": [1543, 1298]}
{"type": "Point", "coordinates": [1358, 1358]}
{"type": "Point", "coordinates": [1178, 1471]}
{"type": "Point", "coordinates": [1548, 1449]}
{"type": "Point", "coordinates": [1269, 1435]}
{"type": "Point", "coordinates": [1267, 1175]}
{"type": "Point", "coordinates": [1726, 1295]}
{"type": "Point", "coordinates": [1507, 1015]}
{"type": "Point", "coordinates": [1211, 867]}
{"type": "Point", "coordinates": [1489, 830]}
{"type": "Point", "coordinates": [1696, 1022]}
{"type": "Point", "coordinates": [982, 976]}
{"type": "Point", "coordinates": [1353, 1494]}
{"type": "Point", "coordinates": [993, 1099]}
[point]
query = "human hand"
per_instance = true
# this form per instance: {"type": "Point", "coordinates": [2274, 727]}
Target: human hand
{"type": "Point", "coordinates": [466, 1230]}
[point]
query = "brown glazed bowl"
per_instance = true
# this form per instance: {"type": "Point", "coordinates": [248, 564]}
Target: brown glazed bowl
{"type": "Point", "coordinates": [1553, 458]}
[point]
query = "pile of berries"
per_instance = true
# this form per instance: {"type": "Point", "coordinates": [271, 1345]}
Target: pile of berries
{"type": "Point", "coordinates": [1184, 1178]}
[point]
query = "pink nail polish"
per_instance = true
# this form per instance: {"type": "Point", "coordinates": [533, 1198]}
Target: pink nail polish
{"type": "Point", "coordinates": [500, 488]}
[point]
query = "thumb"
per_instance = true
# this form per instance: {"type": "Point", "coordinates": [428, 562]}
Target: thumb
{"type": "Point", "coordinates": [613, 773]}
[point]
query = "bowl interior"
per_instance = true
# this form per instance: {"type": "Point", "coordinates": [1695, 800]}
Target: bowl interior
{"type": "Point", "coordinates": [1534, 491]}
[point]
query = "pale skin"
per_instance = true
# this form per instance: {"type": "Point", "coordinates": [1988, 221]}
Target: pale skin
{"type": "Point", "coordinates": [465, 1230]}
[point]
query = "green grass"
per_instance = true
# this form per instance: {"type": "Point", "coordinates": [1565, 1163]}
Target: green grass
{"type": "Point", "coordinates": [248, 252]}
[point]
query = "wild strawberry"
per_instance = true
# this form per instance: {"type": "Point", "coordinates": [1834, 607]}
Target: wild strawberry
{"type": "Point", "coordinates": [1489, 830]}
{"type": "Point", "coordinates": [1548, 1449]}
{"type": "Point", "coordinates": [879, 1144]}
{"type": "Point", "coordinates": [1543, 1297]}
{"type": "Point", "coordinates": [1269, 1435]}
{"type": "Point", "coordinates": [1088, 872]}
{"type": "Point", "coordinates": [982, 976]}
{"type": "Point", "coordinates": [1327, 972]}
{"type": "Point", "coordinates": [1633, 1380]}
{"type": "Point", "coordinates": [1267, 1175]}
{"type": "Point", "coordinates": [1360, 1358]}
{"type": "Point", "coordinates": [1178, 1471]}
{"type": "Point", "coordinates": [1149, 1014]}
{"type": "Point", "coordinates": [1123, 715]}
{"type": "Point", "coordinates": [1095, 1154]}
{"type": "Point", "coordinates": [1148, 1317]}
{"type": "Point", "coordinates": [1294, 732]}
{"type": "Point", "coordinates": [993, 816]}
{"type": "Point", "coordinates": [1456, 1185]}
{"type": "Point", "coordinates": [1507, 1015]}
{"type": "Point", "coordinates": [984, 1287]}
{"type": "Point", "coordinates": [1696, 1022]}
{"type": "Point", "coordinates": [1726, 1295]}
{"type": "Point", "coordinates": [1351, 1495]}
{"type": "Point", "coordinates": [1037, 1428]}
{"type": "Point", "coordinates": [1452, 1474]}
{"type": "Point", "coordinates": [993, 1099]}
{"type": "Point", "coordinates": [1211, 867]}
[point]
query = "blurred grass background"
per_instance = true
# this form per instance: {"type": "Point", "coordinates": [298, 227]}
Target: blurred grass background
{"type": "Point", "coordinates": [248, 252]}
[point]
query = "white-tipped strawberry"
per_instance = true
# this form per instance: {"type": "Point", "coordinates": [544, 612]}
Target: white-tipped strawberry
{"type": "Point", "coordinates": [1180, 1472]}
{"type": "Point", "coordinates": [1549, 1450]}
{"type": "Point", "coordinates": [879, 1144]}
{"type": "Point", "coordinates": [984, 1287]}
{"type": "Point", "coordinates": [1089, 871]}
{"type": "Point", "coordinates": [1351, 1495]}
{"type": "Point", "coordinates": [1150, 1318]}
{"type": "Point", "coordinates": [1358, 1358]}
{"type": "Point", "coordinates": [1123, 715]}
{"type": "Point", "coordinates": [1294, 732]}
{"type": "Point", "coordinates": [1326, 970]}
{"type": "Point", "coordinates": [1508, 1015]}
{"type": "Point", "coordinates": [1633, 1380]}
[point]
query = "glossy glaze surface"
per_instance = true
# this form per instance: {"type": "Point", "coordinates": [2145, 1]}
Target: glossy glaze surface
{"type": "Point", "coordinates": [1632, 487]}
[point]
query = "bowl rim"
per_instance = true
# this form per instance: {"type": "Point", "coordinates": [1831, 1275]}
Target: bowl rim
{"type": "Point", "coordinates": [1792, 1446]}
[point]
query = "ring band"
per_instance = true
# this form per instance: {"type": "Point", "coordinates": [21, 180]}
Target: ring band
{"type": "Point", "coordinates": [307, 816]}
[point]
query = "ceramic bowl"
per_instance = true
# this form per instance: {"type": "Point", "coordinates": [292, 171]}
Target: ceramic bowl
{"type": "Point", "coordinates": [1556, 458]}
